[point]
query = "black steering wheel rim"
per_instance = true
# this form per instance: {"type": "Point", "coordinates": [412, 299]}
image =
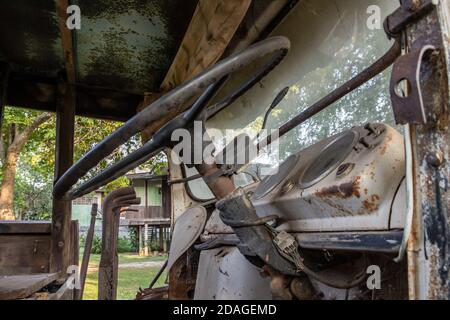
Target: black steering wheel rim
{"type": "Point", "coordinates": [166, 105]}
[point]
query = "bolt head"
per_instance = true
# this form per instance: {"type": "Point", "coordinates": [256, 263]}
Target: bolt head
{"type": "Point", "coordinates": [435, 159]}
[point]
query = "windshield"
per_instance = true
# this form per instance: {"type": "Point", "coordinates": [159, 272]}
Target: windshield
{"type": "Point", "coordinates": [331, 42]}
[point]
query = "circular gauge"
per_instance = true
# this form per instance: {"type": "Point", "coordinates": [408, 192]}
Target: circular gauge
{"type": "Point", "coordinates": [270, 182]}
{"type": "Point", "coordinates": [328, 159]}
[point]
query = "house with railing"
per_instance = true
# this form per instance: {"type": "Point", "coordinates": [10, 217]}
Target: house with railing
{"type": "Point", "coordinates": [151, 217]}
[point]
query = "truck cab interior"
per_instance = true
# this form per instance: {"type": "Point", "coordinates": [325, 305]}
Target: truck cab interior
{"type": "Point", "coordinates": [326, 139]}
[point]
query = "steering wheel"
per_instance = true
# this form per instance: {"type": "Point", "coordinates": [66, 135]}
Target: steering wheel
{"type": "Point", "coordinates": [208, 82]}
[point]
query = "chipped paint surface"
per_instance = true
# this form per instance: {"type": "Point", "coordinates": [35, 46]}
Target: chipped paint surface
{"type": "Point", "coordinates": [126, 45]}
{"type": "Point", "coordinates": [359, 200]}
{"type": "Point", "coordinates": [129, 45]}
{"type": "Point", "coordinates": [429, 275]}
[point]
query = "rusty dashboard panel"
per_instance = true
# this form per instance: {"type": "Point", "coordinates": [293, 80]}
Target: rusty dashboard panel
{"type": "Point", "coordinates": [347, 182]}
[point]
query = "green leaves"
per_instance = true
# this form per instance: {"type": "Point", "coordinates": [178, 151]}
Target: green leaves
{"type": "Point", "coordinates": [35, 170]}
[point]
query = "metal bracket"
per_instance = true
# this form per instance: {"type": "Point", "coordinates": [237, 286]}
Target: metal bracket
{"type": "Point", "coordinates": [408, 106]}
{"type": "Point", "coordinates": [409, 12]}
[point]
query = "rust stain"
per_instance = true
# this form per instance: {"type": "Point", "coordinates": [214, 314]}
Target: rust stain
{"type": "Point", "coordinates": [341, 210]}
{"type": "Point", "coordinates": [372, 203]}
{"type": "Point", "coordinates": [434, 280]}
{"type": "Point", "coordinates": [344, 191]}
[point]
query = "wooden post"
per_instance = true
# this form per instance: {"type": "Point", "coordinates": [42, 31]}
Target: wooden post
{"type": "Point", "coordinates": [146, 208]}
{"type": "Point", "coordinates": [87, 251]}
{"type": "Point", "coordinates": [65, 125]}
{"type": "Point", "coordinates": [75, 251]}
{"type": "Point", "coordinates": [161, 238]}
{"type": "Point", "coordinates": [62, 210]}
{"type": "Point", "coordinates": [166, 199]}
{"type": "Point", "coordinates": [140, 239]}
{"type": "Point", "coordinates": [145, 239]}
{"type": "Point", "coordinates": [165, 241]}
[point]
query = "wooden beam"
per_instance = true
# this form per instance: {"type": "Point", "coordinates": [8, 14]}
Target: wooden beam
{"type": "Point", "coordinates": [25, 227]}
{"type": "Point", "coordinates": [211, 29]}
{"type": "Point", "coordinates": [65, 128]}
{"type": "Point", "coordinates": [19, 287]}
{"type": "Point", "coordinates": [66, 40]}
{"type": "Point", "coordinates": [101, 103]}
{"type": "Point", "coordinates": [24, 253]}
{"type": "Point", "coordinates": [62, 210]}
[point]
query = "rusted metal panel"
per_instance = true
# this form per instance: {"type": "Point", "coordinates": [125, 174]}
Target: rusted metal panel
{"type": "Point", "coordinates": [429, 244]}
{"type": "Point", "coordinates": [183, 275]}
{"type": "Point", "coordinates": [153, 294]}
{"type": "Point", "coordinates": [129, 45]}
{"type": "Point", "coordinates": [30, 39]}
{"type": "Point", "coordinates": [408, 108]}
{"type": "Point", "coordinates": [224, 273]}
{"type": "Point", "coordinates": [381, 241]}
{"type": "Point", "coordinates": [334, 185]}
{"type": "Point", "coordinates": [125, 46]}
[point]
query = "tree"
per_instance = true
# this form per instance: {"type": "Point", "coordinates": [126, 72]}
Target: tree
{"type": "Point", "coordinates": [33, 181]}
{"type": "Point", "coordinates": [12, 142]}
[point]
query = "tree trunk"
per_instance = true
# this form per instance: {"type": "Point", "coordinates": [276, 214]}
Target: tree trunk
{"type": "Point", "coordinates": [7, 190]}
{"type": "Point", "coordinates": [18, 140]}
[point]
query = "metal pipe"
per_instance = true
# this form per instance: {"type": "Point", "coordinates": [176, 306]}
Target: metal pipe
{"type": "Point", "coordinates": [409, 194]}
{"type": "Point", "coordinates": [109, 262]}
{"type": "Point", "coordinates": [161, 270]}
{"type": "Point", "coordinates": [408, 242]}
{"type": "Point", "coordinates": [87, 251]}
{"type": "Point", "coordinates": [376, 68]}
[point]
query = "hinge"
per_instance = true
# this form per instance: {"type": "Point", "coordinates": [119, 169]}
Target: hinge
{"type": "Point", "coordinates": [409, 12]}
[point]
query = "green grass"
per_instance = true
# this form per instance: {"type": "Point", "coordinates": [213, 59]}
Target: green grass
{"type": "Point", "coordinates": [94, 260]}
{"type": "Point", "coordinates": [130, 279]}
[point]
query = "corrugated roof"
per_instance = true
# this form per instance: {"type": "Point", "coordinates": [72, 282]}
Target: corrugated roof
{"type": "Point", "coordinates": [123, 49]}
